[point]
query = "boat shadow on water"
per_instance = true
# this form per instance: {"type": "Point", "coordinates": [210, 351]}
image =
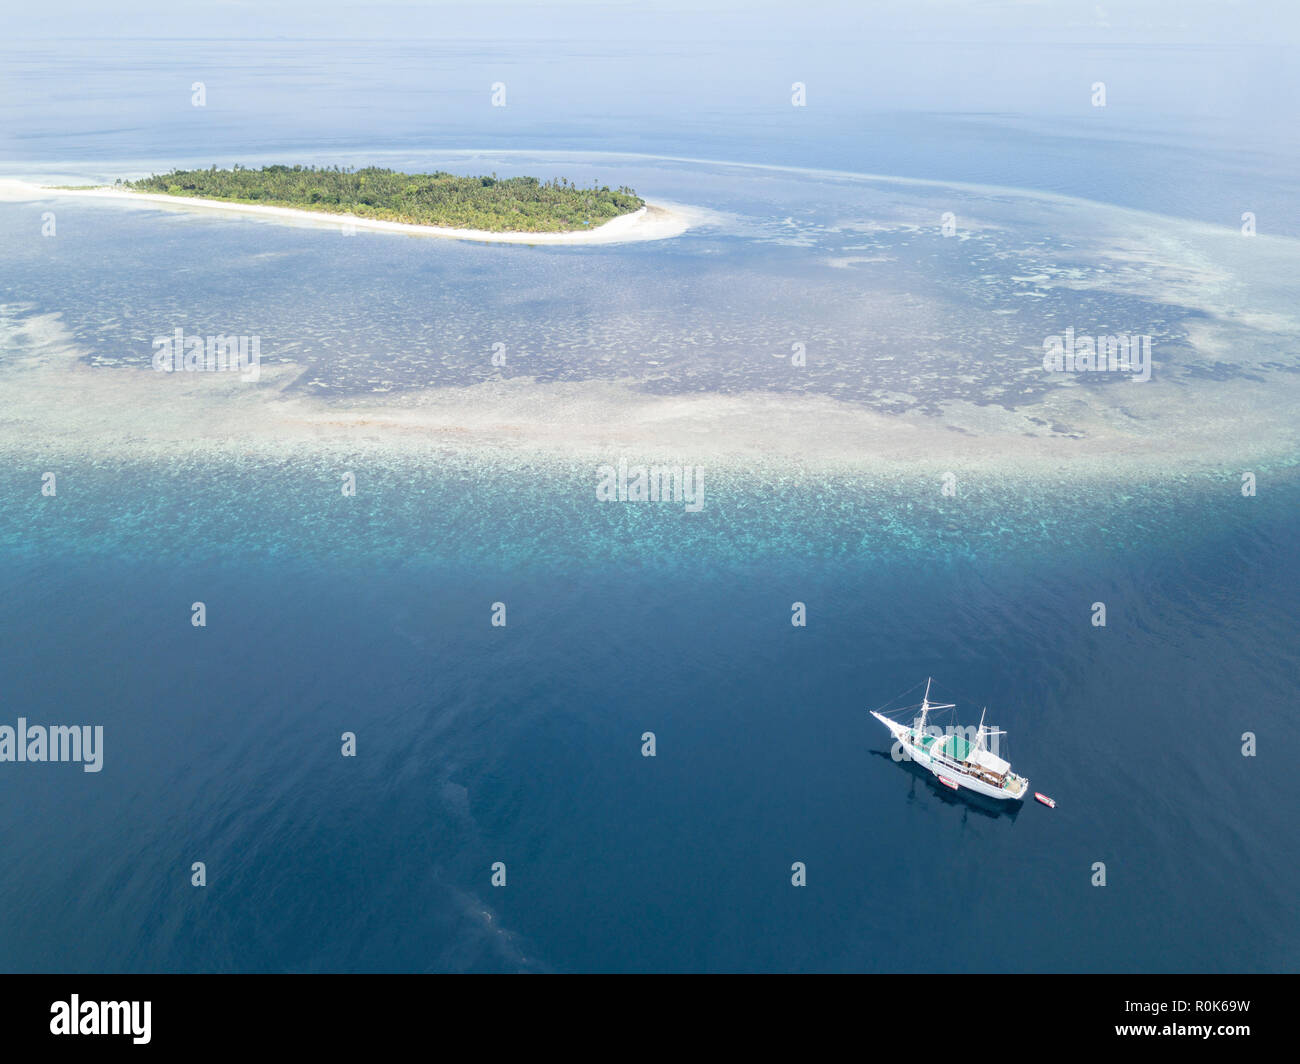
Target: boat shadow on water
{"type": "Point", "coordinates": [992, 808]}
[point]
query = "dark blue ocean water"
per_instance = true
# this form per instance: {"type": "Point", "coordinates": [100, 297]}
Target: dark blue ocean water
{"type": "Point", "coordinates": [478, 744]}
{"type": "Point", "coordinates": [522, 745]}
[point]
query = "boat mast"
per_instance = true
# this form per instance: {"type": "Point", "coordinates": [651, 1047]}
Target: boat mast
{"type": "Point", "coordinates": [925, 709]}
{"type": "Point", "coordinates": [983, 732]}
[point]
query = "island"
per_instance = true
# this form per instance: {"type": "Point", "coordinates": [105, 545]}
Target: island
{"type": "Point", "coordinates": [484, 204]}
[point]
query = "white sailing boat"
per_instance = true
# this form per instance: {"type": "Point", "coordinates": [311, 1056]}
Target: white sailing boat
{"type": "Point", "coordinates": [959, 763]}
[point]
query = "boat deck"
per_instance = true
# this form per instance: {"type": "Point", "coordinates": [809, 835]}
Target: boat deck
{"type": "Point", "coordinates": [1012, 783]}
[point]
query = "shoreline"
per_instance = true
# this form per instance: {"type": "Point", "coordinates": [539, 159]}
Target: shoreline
{"type": "Point", "coordinates": [651, 222]}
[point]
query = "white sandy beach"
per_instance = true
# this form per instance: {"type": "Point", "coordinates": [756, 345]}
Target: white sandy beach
{"type": "Point", "coordinates": [651, 222]}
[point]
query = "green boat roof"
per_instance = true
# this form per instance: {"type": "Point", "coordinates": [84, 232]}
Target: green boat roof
{"type": "Point", "coordinates": [953, 746]}
{"type": "Point", "coordinates": [958, 748]}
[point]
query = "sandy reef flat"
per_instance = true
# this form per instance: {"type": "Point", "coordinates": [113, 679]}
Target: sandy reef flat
{"type": "Point", "coordinates": [641, 370]}
{"type": "Point", "coordinates": [61, 405]}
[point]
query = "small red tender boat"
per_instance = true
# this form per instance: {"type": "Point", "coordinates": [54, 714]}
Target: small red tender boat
{"type": "Point", "coordinates": [948, 783]}
{"type": "Point", "coordinates": [1045, 800]}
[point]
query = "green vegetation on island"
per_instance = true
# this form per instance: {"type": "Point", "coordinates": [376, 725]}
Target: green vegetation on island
{"type": "Point", "coordinates": [499, 205]}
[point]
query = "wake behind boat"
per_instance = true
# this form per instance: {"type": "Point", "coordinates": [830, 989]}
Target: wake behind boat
{"type": "Point", "coordinates": [959, 763]}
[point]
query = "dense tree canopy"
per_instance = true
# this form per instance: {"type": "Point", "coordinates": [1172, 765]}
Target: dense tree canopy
{"type": "Point", "coordinates": [515, 204]}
